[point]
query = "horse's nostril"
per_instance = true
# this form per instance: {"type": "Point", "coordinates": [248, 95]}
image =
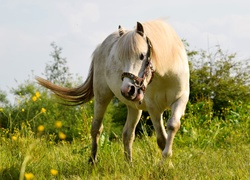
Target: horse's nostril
{"type": "Point", "coordinates": [131, 91]}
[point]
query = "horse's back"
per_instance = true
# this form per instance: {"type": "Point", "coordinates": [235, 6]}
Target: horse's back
{"type": "Point", "coordinates": [99, 58]}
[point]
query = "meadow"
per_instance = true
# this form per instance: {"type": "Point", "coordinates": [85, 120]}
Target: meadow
{"type": "Point", "coordinates": [205, 147]}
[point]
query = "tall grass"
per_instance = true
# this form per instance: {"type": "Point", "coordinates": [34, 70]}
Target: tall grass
{"type": "Point", "coordinates": [70, 160]}
{"type": "Point", "coordinates": [206, 147]}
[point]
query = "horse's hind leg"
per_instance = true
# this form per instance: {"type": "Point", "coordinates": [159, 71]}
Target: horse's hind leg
{"type": "Point", "coordinates": [100, 106]}
{"type": "Point", "coordinates": [133, 118]}
{"type": "Point", "coordinates": [161, 134]}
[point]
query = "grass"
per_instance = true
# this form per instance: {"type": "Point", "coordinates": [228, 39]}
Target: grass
{"type": "Point", "coordinates": [204, 148]}
{"type": "Point", "coordinates": [229, 160]}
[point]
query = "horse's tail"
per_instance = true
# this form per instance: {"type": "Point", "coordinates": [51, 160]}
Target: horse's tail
{"type": "Point", "coordinates": [74, 96]}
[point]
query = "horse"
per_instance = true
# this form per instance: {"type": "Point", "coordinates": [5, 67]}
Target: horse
{"type": "Point", "coordinates": [147, 69]}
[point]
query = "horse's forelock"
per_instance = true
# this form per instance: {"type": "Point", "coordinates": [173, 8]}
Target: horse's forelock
{"type": "Point", "coordinates": [130, 44]}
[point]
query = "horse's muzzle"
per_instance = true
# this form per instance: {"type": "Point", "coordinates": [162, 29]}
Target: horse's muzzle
{"type": "Point", "coordinates": [132, 92]}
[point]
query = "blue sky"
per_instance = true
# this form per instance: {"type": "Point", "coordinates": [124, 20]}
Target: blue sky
{"type": "Point", "coordinates": [28, 27]}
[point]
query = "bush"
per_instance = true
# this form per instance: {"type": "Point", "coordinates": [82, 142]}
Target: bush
{"type": "Point", "coordinates": [219, 77]}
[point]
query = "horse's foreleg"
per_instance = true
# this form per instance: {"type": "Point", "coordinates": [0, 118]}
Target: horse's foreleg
{"type": "Point", "coordinates": [133, 118]}
{"type": "Point", "coordinates": [173, 124]}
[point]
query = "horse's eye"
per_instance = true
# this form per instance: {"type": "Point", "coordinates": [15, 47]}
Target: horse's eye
{"type": "Point", "coordinates": [141, 56]}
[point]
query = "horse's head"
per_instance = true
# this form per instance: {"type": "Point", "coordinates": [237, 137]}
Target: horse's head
{"type": "Point", "coordinates": [134, 50]}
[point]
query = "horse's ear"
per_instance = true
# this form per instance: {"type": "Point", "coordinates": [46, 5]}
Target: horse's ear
{"type": "Point", "coordinates": [121, 30]}
{"type": "Point", "coordinates": [139, 29]}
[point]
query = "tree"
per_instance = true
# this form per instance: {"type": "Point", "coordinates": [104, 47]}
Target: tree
{"type": "Point", "coordinates": [3, 98]}
{"type": "Point", "coordinates": [57, 71]}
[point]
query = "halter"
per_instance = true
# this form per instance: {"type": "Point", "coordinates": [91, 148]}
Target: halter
{"type": "Point", "coordinates": [139, 82]}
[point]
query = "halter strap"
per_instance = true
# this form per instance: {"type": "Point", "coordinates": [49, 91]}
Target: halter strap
{"type": "Point", "coordinates": [139, 82]}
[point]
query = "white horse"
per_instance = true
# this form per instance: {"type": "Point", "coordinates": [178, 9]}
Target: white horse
{"type": "Point", "coordinates": [146, 69]}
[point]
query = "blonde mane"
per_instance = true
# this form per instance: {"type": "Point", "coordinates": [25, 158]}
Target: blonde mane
{"type": "Point", "coordinates": [167, 47]}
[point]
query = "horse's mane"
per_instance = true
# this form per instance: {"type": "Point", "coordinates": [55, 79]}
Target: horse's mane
{"type": "Point", "coordinates": [168, 50]}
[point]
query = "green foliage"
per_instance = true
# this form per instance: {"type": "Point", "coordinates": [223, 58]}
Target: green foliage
{"type": "Point", "coordinates": [199, 125]}
{"type": "Point", "coordinates": [220, 77]}
{"type": "Point", "coordinates": [39, 108]}
{"type": "Point", "coordinates": [3, 98]}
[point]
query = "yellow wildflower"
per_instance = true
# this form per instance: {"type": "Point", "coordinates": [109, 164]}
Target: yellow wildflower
{"type": "Point", "coordinates": [14, 138]}
{"type": "Point", "coordinates": [58, 124]}
{"type": "Point", "coordinates": [22, 109]}
{"type": "Point", "coordinates": [43, 110]}
{"type": "Point", "coordinates": [1, 109]}
{"type": "Point", "coordinates": [53, 172]}
{"type": "Point", "coordinates": [34, 98]}
{"type": "Point", "coordinates": [38, 94]}
{"type": "Point", "coordinates": [28, 176]}
{"type": "Point", "coordinates": [40, 128]}
{"type": "Point", "coordinates": [61, 135]}
{"type": "Point", "coordinates": [51, 143]}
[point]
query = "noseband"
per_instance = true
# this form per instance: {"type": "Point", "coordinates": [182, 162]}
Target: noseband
{"type": "Point", "coordinates": [139, 82]}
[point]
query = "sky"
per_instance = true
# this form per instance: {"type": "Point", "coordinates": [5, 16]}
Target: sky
{"type": "Point", "coordinates": [28, 27]}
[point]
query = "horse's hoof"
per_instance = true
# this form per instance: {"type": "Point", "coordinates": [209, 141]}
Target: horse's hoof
{"type": "Point", "coordinates": [165, 162]}
{"type": "Point", "coordinates": [92, 161]}
{"type": "Point", "coordinates": [170, 165]}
